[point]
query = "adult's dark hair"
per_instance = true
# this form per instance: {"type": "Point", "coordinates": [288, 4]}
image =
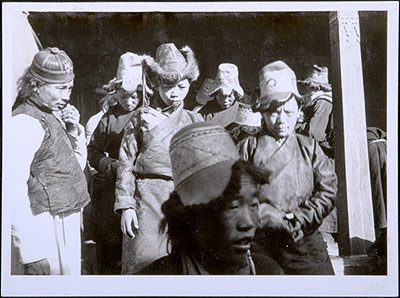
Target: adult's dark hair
{"type": "Point", "coordinates": [181, 221]}
{"type": "Point", "coordinates": [27, 85]}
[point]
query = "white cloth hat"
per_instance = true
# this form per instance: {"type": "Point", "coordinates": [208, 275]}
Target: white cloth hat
{"type": "Point", "coordinates": [227, 79]}
{"type": "Point", "coordinates": [130, 71]}
{"type": "Point", "coordinates": [277, 81]}
{"type": "Point", "coordinates": [129, 74]}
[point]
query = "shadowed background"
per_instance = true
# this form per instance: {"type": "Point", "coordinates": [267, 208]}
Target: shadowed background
{"type": "Point", "coordinates": [95, 41]}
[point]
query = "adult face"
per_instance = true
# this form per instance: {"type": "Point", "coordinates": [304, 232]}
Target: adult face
{"type": "Point", "coordinates": [174, 94]}
{"type": "Point", "coordinates": [55, 96]}
{"type": "Point", "coordinates": [225, 101]}
{"type": "Point", "coordinates": [282, 121]}
{"type": "Point", "coordinates": [238, 222]}
{"type": "Point", "coordinates": [128, 101]}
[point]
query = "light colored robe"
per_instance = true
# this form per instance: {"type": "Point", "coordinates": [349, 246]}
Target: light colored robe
{"type": "Point", "coordinates": [144, 180]}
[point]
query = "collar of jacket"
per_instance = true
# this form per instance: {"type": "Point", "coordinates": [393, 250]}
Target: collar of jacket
{"type": "Point", "coordinates": [35, 100]}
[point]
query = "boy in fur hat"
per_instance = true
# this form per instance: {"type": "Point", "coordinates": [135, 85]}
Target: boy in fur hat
{"type": "Point", "coordinates": [144, 176]}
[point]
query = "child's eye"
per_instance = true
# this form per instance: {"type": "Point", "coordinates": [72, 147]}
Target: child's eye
{"type": "Point", "coordinates": [255, 204]}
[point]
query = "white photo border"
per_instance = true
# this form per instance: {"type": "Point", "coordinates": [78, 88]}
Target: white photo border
{"type": "Point", "coordinates": [213, 285]}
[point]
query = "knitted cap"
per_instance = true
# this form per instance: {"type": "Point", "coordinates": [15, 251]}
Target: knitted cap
{"type": "Point", "coordinates": [277, 82]}
{"type": "Point", "coordinates": [52, 65]}
{"type": "Point", "coordinates": [227, 80]}
{"type": "Point", "coordinates": [202, 156]}
{"type": "Point", "coordinates": [317, 77]}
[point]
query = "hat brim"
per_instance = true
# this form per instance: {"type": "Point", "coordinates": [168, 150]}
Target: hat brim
{"type": "Point", "coordinates": [281, 96]}
{"type": "Point", "coordinates": [156, 74]}
{"type": "Point", "coordinates": [226, 90]}
{"type": "Point", "coordinates": [205, 185]}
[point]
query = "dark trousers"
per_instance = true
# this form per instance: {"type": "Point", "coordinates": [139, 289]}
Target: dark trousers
{"type": "Point", "coordinates": [107, 225]}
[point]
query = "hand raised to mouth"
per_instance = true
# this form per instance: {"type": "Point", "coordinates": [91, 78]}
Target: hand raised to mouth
{"type": "Point", "coordinates": [70, 115]}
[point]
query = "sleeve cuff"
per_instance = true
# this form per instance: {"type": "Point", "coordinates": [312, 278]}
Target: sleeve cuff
{"type": "Point", "coordinates": [103, 163]}
{"type": "Point", "coordinates": [124, 202]}
{"type": "Point", "coordinates": [78, 132]}
{"type": "Point", "coordinates": [297, 216]}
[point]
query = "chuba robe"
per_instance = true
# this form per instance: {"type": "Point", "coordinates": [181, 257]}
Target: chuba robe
{"type": "Point", "coordinates": [303, 182]}
{"type": "Point", "coordinates": [144, 179]}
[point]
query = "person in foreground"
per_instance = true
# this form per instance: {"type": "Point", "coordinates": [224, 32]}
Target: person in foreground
{"type": "Point", "coordinates": [212, 214]}
{"type": "Point", "coordinates": [302, 188]}
{"type": "Point", "coordinates": [50, 155]}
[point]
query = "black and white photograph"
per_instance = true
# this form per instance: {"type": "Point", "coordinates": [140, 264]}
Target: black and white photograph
{"type": "Point", "coordinates": [147, 141]}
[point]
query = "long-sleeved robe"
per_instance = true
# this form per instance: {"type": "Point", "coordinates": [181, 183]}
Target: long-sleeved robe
{"type": "Point", "coordinates": [302, 182]}
{"type": "Point", "coordinates": [103, 149]}
{"type": "Point", "coordinates": [144, 179]}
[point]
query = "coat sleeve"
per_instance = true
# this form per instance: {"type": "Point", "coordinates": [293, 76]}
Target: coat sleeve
{"type": "Point", "coordinates": [314, 209]}
{"type": "Point", "coordinates": [78, 143]}
{"type": "Point", "coordinates": [125, 180]}
{"type": "Point", "coordinates": [96, 155]}
{"type": "Point", "coordinates": [318, 123]}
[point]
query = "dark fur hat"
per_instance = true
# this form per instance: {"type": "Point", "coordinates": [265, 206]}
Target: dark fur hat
{"type": "Point", "coordinates": [171, 65]}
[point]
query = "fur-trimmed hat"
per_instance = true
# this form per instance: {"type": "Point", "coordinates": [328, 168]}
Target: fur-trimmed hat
{"type": "Point", "coordinates": [227, 80]}
{"type": "Point", "coordinates": [171, 65]}
{"type": "Point", "coordinates": [317, 77]}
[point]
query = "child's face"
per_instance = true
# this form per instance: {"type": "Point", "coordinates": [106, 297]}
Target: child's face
{"type": "Point", "coordinates": [128, 102]}
{"type": "Point", "coordinates": [174, 94]}
{"type": "Point", "coordinates": [225, 101]}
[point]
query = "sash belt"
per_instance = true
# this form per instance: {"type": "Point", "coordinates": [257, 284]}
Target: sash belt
{"type": "Point", "coordinates": [152, 176]}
